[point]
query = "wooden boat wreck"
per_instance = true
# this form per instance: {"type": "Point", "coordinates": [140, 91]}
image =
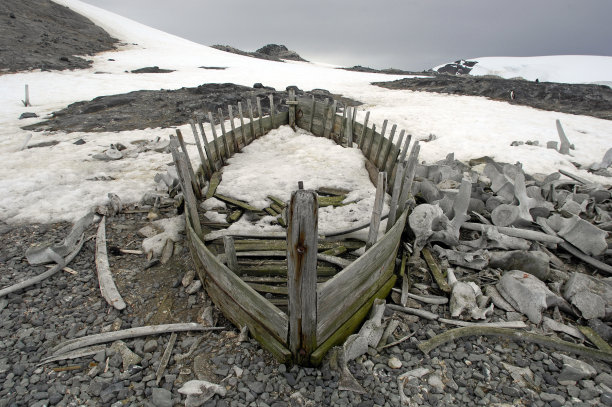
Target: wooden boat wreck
{"type": "Point", "coordinates": [312, 299]}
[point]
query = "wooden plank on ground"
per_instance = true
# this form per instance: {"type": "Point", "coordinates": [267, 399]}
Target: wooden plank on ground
{"type": "Point", "coordinates": [236, 202]}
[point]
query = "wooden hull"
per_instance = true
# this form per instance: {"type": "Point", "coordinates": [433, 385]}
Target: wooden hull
{"type": "Point", "coordinates": [342, 302]}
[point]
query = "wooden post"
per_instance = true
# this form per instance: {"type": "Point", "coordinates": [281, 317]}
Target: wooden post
{"type": "Point", "coordinates": [244, 137]}
{"type": "Point", "coordinates": [394, 159]}
{"type": "Point", "coordinates": [324, 116]}
{"type": "Point", "coordinates": [376, 160]}
{"type": "Point", "coordinates": [191, 204]}
{"type": "Point", "coordinates": [230, 253]}
{"type": "Point", "coordinates": [369, 149]}
{"type": "Point", "coordinates": [395, 195]}
{"type": "Point", "coordinates": [388, 149]}
{"type": "Point", "coordinates": [341, 131]}
{"type": "Point", "coordinates": [409, 177]}
{"type": "Point", "coordinates": [200, 152]}
{"type": "Point", "coordinates": [211, 157]}
{"type": "Point", "coordinates": [26, 102]}
{"type": "Point", "coordinates": [302, 233]}
{"type": "Point", "coordinates": [215, 140]}
{"type": "Point", "coordinates": [252, 123]}
{"type": "Point", "coordinates": [312, 114]}
{"type": "Point", "coordinates": [235, 139]}
{"type": "Point", "coordinates": [223, 133]}
{"type": "Point", "coordinates": [349, 129]}
{"type": "Point", "coordinates": [332, 114]}
{"type": "Point", "coordinates": [261, 126]}
{"type": "Point", "coordinates": [364, 130]}
{"type": "Point", "coordinates": [405, 148]}
{"type": "Point", "coordinates": [272, 113]}
{"type": "Point", "coordinates": [381, 187]}
{"type": "Point", "coordinates": [192, 176]}
{"type": "Point", "coordinates": [292, 103]}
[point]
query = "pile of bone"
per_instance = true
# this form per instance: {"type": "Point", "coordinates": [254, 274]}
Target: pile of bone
{"type": "Point", "coordinates": [545, 238]}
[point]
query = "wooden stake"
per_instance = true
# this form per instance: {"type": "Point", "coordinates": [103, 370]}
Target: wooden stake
{"type": "Point", "coordinates": [364, 130]}
{"type": "Point", "coordinates": [230, 253]}
{"type": "Point", "coordinates": [332, 119]}
{"type": "Point", "coordinates": [377, 157]}
{"type": "Point", "coordinates": [235, 139]}
{"type": "Point", "coordinates": [165, 358]}
{"type": "Point", "coordinates": [244, 136]}
{"type": "Point", "coordinates": [312, 114]}
{"type": "Point", "coordinates": [302, 274]}
{"type": "Point", "coordinates": [369, 149]}
{"type": "Point", "coordinates": [405, 148]}
{"type": "Point", "coordinates": [349, 129]}
{"type": "Point", "coordinates": [251, 122]}
{"type": "Point", "coordinates": [211, 158]}
{"type": "Point", "coordinates": [409, 177]}
{"type": "Point", "coordinates": [200, 152]}
{"type": "Point", "coordinates": [26, 102]}
{"type": "Point", "coordinates": [381, 187]}
{"type": "Point", "coordinates": [324, 116]}
{"type": "Point", "coordinates": [261, 126]}
{"type": "Point", "coordinates": [223, 133]}
{"type": "Point", "coordinates": [194, 181]}
{"type": "Point", "coordinates": [341, 131]}
{"type": "Point", "coordinates": [215, 140]}
{"type": "Point", "coordinates": [272, 124]}
{"type": "Point", "coordinates": [397, 190]}
{"type": "Point", "coordinates": [394, 159]}
{"type": "Point", "coordinates": [190, 199]}
{"type": "Point", "coordinates": [291, 102]}
{"type": "Point", "coordinates": [388, 149]}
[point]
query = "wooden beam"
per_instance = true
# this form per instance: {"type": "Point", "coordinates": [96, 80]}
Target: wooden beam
{"type": "Point", "coordinates": [259, 112]}
{"type": "Point", "coordinates": [190, 198]}
{"type": "Point", "coordinates": [209, 155]}
{"type": "Point", "coordinates": [230, 253]}
{"type": "Point", "coordinates": [235, 138]}
{"type": "Point", "coordinates": [244, 136]}
{"type": "Point", "coordinates": [252, 123]}
{"type": "Point", "coordinates": [200, 151]}
{"type": "Point", "coordinates": [369, 148]}
{"type": "Point", "coordinates": [383, 162]}
{"type": "Point", "coordinates": [312, 114]}
{"type": "Point", "coordinates": [332, 119]}
{"type": "Point", "coordinates": [394, 160]}
{"type": "Point", "coordinates": [364, 130]}
{"type": "Point", "coordinates": [376, 159]}
{"type": "Point", "coordinates": [272, 114]}
{"type": "Point", "coordinates": [302, 231]}
{"type": "Point", "coordinates": [215, 140]}
{"type": "Point", "coordinates": [223, 133]}
{"type": "Point", "coordinates": [291, 99]}
{"type": "Point", "coordinates": [395, 195]}
{"type": "Point", "coordinates": [349, 129]}
{"type": "Point", "coordinates": [381, 187]}
{"type": "Point", "coordinates": [193, 179]}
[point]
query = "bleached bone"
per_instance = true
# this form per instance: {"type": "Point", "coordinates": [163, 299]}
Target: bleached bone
{"type": "Point", "coordinates": [423, 219]}
{"type": "Point", "coordinates": [401, 382]}
{"type": "Point", "coordinates": [450, 233]}
{"type": "Point", "coordinates": [527, 294]}
{"type": "Point", "coordinates": [464, 297]}
{"type": "Point", "coordinates": [551, 324]}
{"type": "Point", "coordinates": [552, 145]}
{"type": "Point", "coordinates": [497, 299]}
{"type": "Point", "coordinates": [564, 148]}
{"type": "Point", "coordinates": [107, 284]}
{"type": "Point", "coordinates": [429, 191]}
{"type": "Point", "coordinates": [536, 263]}
{"type": "Point", "coordinates": [528, 204]}
{"type": "Point", "coordinates": [508, 215]}
{"type": "Point", "coordinates": [582, 234]}
{"type": "Point", "coordinates": [47, 254]}
{"type": "Point", "coordinates": [476, 260]}
{"type": "Point", "coordinates": [514, 232]}
{"type": "Point", "coordinates": [605, 162]}
{"type": "Point", "coordinates": [200, 391]}
{"type": "Point", "coordinates": [498, 179]}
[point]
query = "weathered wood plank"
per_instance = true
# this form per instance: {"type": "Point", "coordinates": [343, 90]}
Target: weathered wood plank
{"type": "Point", "coordinates": [230, 253]}
{"type": "Point", "coordinates": [363, 130]}
{"type": "Point", "coordinates": [348, 327]}
{"type": "Point", "coordinates": [368, 150]}
{"type": "Point", "coordinates": [235, 139]}
{"type": "Point", "coordinates": [242, 128]}
{"type": "Point", "coordinates": [272, 289]}
{"type": "Point", "coordinates": [341, 296]}
{"type": "Point", "coordinates": [394, 157]}
{"type": "Point", "coordinates": [385, 157]}
{"type": "Point", "coordinates": [381, 187]}
{"type": "Point", "coordinates": [312, 114]}
{"type": "Point", "coordinates": [331, 115]}
{"type": "Point", "coordinates": [191, 202]}
{"type": "Point", "coordinates": [275, 268]}
{"type": "Point", "coordinates": [211, 158]}
{"type": "Point", "coordinates": [252, 245]}
{"type": "Point", "coordinates": [218, 147]}
{"type": "Point", "coordinates": [324, 115]}
{"type": "Point", "coordinates": [302, 234]}
{"type": "Point", "coordinates": [409, 176]}
{"type": "Point", "coordinates": [251, 122]}
{"type": "Point", "coordinates": [200, 151]}
{"type": "Point", "coordinates": [193, 180]}
{"type": "Point", "coordinates": [397, 190]}
{"type": "Point", "coordinates": [349, 127]}
{"type": "Point", "coordinates": [236, 202]}
{"type": "Point", "coordinates": [291, 102]}
{"type": "Point", "coordinates": [402, 157]}
{"type": "Point", "coordinates": [260, 119]}
{"type": "Point", "coordinates": [215, 180]}
{"type": "Point", "coordinates": [379, 147]}
{"type": "Point", "coordinates": [247, 299]}
{"type": "Point", "coordinates": [228, 153]}
{"type": "Point", "coordinates": [272, 114]}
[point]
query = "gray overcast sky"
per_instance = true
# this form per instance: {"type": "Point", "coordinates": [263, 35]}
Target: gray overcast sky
{"type": "Point", "coordinates": [408, 34]}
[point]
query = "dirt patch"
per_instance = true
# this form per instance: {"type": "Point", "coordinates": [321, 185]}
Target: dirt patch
{"type": "Point", "coordinates": [165, 108]}
{"type": "Point", "coordinates": [40, 34]}
{"type": "Point", "coordinates": [590, 100]}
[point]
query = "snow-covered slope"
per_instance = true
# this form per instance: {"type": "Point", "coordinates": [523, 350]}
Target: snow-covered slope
{"type": "Point", "coordinates": [63, 181]}
{"type": "Point", "coordinates": [552, 68]}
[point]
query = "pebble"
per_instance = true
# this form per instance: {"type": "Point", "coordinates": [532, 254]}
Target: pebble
{"type": "Point", "coordinates": [394, 363]}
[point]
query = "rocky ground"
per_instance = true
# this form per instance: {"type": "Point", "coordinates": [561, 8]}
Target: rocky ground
{"type": "Point", "coordinates": [270, 52]}
{"type": "Point", "coordinates": [589, 100]}
{"type": "Point", "coordinates": [164, 108]}
{"type": "Point", "coordinates": [469, 371]}
{"type": "Point", "coordinates": [40, 34]}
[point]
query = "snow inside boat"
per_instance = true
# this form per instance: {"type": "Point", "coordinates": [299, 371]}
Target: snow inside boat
{"type": "Point", "coordinates": [300, 282]}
